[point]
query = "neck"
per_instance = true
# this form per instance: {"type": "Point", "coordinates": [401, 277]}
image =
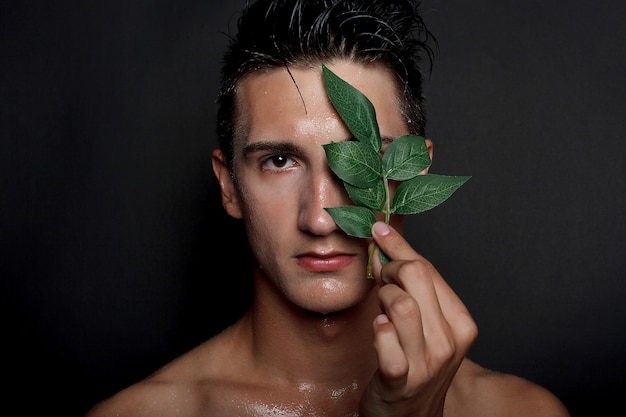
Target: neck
{"type": "Point", "coordinates": [307, 347]}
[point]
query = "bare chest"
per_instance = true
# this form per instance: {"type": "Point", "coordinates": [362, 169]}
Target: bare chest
{"type": "Point", "coordinates": [299, 401]}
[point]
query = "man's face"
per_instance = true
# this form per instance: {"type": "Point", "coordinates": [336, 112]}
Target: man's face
{"type": "Point", "coordinates": [283, 181]}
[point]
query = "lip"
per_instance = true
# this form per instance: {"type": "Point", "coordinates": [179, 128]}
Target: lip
{"type": "Point", "coordinates": [328, 262]}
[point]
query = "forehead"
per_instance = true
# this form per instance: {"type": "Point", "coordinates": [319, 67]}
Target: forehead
{"type": "Point", "coordinates": [295, 100]}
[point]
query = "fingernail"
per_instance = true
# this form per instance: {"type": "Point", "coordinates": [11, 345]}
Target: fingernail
{"type": "Point", "coordinates": [381, 229]}
{"type": "Point", "coordinates": [381, 319]}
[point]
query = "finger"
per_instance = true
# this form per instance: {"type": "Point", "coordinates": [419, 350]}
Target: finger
{"type": "Point", "coordinates": [392, 361]}
{"type": "Point", "coordinates": [393, 243]}
{"type": "Point", "coordinates": [445, 321]}
{"type": "Point", "coordinates": [443, 310]}
{"type": "Point", "coordinates": [409, 270]}
{"type": "Point", "coordinates": [461, 322]}
{"type": "Point", "coordinates": [405, 313]}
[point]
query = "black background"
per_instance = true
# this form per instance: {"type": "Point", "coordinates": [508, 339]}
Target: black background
{"type": "Point", "coordinates": [112, 231]}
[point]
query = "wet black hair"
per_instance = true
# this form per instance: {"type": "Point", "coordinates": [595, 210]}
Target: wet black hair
{"type": "Point", "coordinates": [284, 33]}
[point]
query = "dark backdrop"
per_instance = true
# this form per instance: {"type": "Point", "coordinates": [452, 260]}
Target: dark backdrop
{"type": "Point", "coordinates": [112, 230]}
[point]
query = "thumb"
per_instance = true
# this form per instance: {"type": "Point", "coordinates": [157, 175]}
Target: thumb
{"type": "Point", "coordinates": [392, 243]}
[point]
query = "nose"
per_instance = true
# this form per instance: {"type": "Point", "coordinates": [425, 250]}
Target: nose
{"type": "Point", "coordinates": [323, 189]}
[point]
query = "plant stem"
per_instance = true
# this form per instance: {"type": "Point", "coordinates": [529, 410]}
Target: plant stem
{"type": "Point", "coordinates": [370, 275]}
{"type": "Point", "coordinates": [387, 213]}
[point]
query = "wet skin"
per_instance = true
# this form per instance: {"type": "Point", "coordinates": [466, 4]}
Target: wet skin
{"type": "Point", "coordinates": [283, 182]}
{"type": "Point", "coordinates": [314, 342]}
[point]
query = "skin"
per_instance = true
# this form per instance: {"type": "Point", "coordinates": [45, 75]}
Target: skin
{"type": "Point", "coordinates": [320, 339]}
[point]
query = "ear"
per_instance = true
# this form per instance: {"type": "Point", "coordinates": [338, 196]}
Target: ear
{"type": "Point", "coordinates": [429, 146]}
{"type": "Point", "coordinates": [230, 199]}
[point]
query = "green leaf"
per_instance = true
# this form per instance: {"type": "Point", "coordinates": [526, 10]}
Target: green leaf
{"type": "Point", "coordinates": [356, 110]}
{"type": "Point", "coordinates": [365, 173]}
{"type": "Point", "coordinates": [373, 198]}
{"type": "Point", "coordinates": [356, 221]}
{"type": "Point", "coordinates": [354, 162]}
{"type": "Point", "coordinates": [424, 192]}
{"type": "Point", "coordinates": [405, 158]}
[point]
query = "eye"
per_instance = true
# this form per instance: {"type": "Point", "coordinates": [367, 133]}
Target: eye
{"type": "Point", "coordinates": [278, 162]}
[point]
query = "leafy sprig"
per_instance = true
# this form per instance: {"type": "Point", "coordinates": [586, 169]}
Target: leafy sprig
{"type": "Point", "coordinates": [366, 174]}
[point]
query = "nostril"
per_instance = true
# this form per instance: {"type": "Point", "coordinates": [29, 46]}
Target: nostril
{"type": "Point", "coordinates": [316, 220]}
{"type": "Point", "coordinates": [313, 216]}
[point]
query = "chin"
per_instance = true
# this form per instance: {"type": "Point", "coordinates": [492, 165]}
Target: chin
{"type": "Point", "coordinates": [328, 296]}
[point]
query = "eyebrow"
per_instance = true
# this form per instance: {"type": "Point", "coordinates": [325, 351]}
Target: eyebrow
{"type": "Point", "coordinates": [285, 147]}
{"type": "Point", "coordinates": [267, 146]}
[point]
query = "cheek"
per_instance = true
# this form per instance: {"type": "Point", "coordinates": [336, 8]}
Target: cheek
{"type": "Point", "coordinates": [266, 211]}
{"type": "Point", "coordinates": [268, 226]}
{"type": "Point", "coordinates": [269, 204]}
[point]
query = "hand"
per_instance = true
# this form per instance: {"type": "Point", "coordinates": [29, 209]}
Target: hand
{"type": "Point", "coordinates": [421, 338]}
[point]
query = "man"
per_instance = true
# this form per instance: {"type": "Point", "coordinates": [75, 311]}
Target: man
{"type": "Point", "coordinates": [320, 338]}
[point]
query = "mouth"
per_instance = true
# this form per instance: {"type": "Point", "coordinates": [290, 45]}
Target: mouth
{"type": "Point", "coordinates": [324, 262]}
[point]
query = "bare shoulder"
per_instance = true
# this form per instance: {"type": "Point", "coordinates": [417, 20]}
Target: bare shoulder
{"type": "Point", "coordinates": [478, 391]}
{"type": "Point", "coordinates": [150, 397]}
{"type": "Point", "coordinates": [186, 387]}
